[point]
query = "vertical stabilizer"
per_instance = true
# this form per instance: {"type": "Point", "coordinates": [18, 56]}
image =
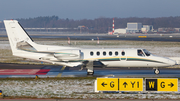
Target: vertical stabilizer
{"type": "Point", "coordinates": [16, 34]}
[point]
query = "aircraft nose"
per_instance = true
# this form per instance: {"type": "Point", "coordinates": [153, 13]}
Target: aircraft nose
{"type": "Point", "coordinates": [172, 62]}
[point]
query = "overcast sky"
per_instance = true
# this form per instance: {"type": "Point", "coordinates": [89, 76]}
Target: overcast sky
{"type": "Point", "coordinates": [88, 9]}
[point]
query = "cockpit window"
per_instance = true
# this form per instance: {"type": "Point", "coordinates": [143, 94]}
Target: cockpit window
{"type": "Point", "coordinates": [146, 52]}
{"type": "Point", "coordinates": [140, 53]}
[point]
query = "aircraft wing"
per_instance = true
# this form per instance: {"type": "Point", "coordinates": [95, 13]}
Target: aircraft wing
{"type": "Point", "coordinates": [94, 63]}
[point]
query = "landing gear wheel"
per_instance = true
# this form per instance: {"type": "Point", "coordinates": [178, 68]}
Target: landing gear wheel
{"type": "Point", "coordinates": [156, 71]}
{"type": "Point", "coordinates": [90, 73]}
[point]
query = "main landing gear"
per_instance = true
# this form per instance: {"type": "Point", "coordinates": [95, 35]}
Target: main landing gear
{"type": "Point", "coordinates": [90, 70]}
{"type": "Point", "coordinates": [90, 73]}
{"type": "Point", "coordinates": [89, 66]}
{"type": "Point", "coordinates": [156, 71]}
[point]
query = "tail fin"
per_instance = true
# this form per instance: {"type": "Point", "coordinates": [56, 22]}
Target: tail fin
{"type": "Point", "coordinates": [16, 34]}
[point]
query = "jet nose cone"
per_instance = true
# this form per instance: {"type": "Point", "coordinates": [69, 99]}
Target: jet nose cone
{"type": "Point", "coordinates": [172, 62]}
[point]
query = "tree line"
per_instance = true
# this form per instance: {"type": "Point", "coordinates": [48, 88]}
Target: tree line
{"type": "Point", "coordinates": [98, 25]}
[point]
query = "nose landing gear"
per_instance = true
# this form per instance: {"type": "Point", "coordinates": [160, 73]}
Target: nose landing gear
{"type": "Point", "coordinates": [156, 71]}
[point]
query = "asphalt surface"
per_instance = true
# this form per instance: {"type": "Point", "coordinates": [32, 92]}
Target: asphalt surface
{"type": "Point", "coordinates": [22, 70]}
{"type": "Point", "coordinates": [175, 37]}
{"type": "Point", "coordinates": [131, 37]}
{"type": "Point", "coordinates": [81, 100]}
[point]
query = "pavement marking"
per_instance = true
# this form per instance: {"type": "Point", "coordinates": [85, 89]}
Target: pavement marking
{"type": "Point", "coordinates": [63, 68]}
{"type": "Point", "coordinates": [61, 71]}
{"type": "Point", "coordinates": [59, 75]}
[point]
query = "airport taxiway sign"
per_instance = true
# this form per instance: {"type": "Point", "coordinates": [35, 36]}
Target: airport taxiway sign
{"type": "Point", "coordinates": [130, 84]}
{"type": "Point", "coordinates": [120, 84]}
{"type": "Point", "coordinates": [168, 84]}
{"type": "Point", "coordinates": [162, 84]}
{"type": "Point", "coordinates": [142, 36]}
{"type": "Point", "coordinates": [107, 84]}
{"type": "Point", "coordinates": [151, 84]}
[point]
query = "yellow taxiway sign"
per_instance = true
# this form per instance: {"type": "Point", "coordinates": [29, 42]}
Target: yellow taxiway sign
{"type": "Point", "coordinates": [168, 84]}
{"type": "Point", "coordinates": [119, 84]}
{"type": "Point", "coordinates": [136, 84]}
{"type": "Point", "coordinates": [130, 84]}
{"type": "Point", "coordinates": [107, 84]}
{"type": "Point", "coordinates": [162, 84]}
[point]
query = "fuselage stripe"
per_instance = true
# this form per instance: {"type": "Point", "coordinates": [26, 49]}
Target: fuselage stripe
{"type": "Point", "coordinates": [118, 59]}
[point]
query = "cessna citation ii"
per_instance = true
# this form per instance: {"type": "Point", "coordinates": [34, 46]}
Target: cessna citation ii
{"type": "Point", "coordinates": [23, 46]}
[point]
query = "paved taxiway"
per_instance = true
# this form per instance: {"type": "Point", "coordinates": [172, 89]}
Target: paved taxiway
{"type": "Point", "coordinates": [83, 100]}
{"type": "Point", "coordinates": [149, 37]}
{"type": "Point", "coordinates": [175, 37]}
{"type": "Point", "coordinates": [19, 70]}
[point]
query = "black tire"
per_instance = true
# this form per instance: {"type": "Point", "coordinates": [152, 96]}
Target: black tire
{"type": "Point", "coordinates": [156, 71]}
{"type": "Point", "coordinates": [90, 73]}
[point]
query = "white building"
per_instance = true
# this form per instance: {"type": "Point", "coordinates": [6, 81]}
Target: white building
{"type": "Point", "coordinates": [131, 28]}
{"type": "Point", "coordinates": [147, 28]}
{"type": "Point", "coordinates": [120, 31]}
{"type": "Point", "coordinates": [134, 27]}
{"type": "Point", "coordinates": [177, 29]}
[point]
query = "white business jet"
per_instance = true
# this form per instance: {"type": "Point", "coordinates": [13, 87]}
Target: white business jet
{"type": "Point", "coordinates": [23, 46]}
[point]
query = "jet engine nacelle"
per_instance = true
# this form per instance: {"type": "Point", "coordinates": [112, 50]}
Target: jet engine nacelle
{"type": "Point", "coordinates": [66, 55]}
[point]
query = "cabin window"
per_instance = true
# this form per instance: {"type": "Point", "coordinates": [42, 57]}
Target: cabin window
{"type": "Point", "coordinates": [91, 53]}
{"type": "Point", "coordinates": [104, 53]}
{"type": "Point", "coordinates": [116, 53]}
{"type": "Point", "coordinates": [98, 53]}
{"type": "Point", "coordinates": [110, 53]}
{"type": "Point", "coordinates": [123, 53]}
{"type": "Point", "coordinates": [140, 53]}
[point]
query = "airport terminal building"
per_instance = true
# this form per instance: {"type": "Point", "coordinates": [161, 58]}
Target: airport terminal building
{"type": "Point", "coordinates": [131, 28]}
{"type": "Point", "coordinates": [134, 27]}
